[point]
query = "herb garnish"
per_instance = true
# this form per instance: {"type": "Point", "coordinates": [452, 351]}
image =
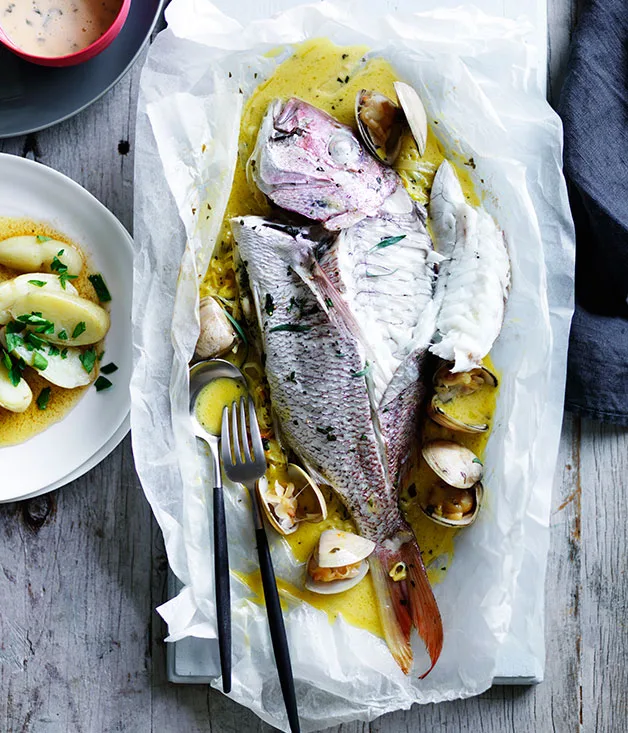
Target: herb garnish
{"type": "Point", "coordinates": [53, 350]}
{"type": "Point", "coordinates": [78, 329]}
{"type": "Point", "coordinates": [63, 335]}
{"type": "Point", "coordinates": [88, 359]}
{"type": "Point", "coordinates": [35, 319]}
{"type": "Point", "coordinates": [39, 361]}
{"type": "Point", "coordinates": [109, 368]}
{"type": "Point", "coordinates": [362, 372]}
{"type": "Point", "coordinates": [269, 305]}
{"type": "Point", "coordinates": [292, 327]}
{"type": "Point", "coordinates": [44, 398]}
{"type": "Point", "coordinates": [381, 274]}
{"type": "Point", "coordinates": [102, 291]}
{"type": "Point", "coordinates": [102, 383]}
{"type": "Point", "coordinates": [388, 242]}
{"type": "Point", "coordinates": [64, 354]}
{"type": "Point", "coordinates": [38, 283]}
{"type": "Point", "coordinates": [236, 325]}
{"type": "Point", "coordinates": [33, 341]}
{"type": "Point", "coordinates": [42, 238]}
{"type": "Point", "coordinates": [57, 266]}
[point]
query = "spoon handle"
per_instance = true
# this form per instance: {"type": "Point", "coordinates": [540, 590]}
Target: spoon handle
{"type": "Point", "coordinates": [223, 595]}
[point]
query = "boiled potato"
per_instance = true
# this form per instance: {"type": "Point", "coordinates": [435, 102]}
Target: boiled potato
{"type": "Point", "coordinates": [11, 290]}
{"type": "Point", "coordinates": [75, 321]}
{"type": "Point", "coordinates": [34, 252]}
{"type": "Point", "coordinates": [65, 371]}
{"type": "Point", "coordinates": [14, 399]}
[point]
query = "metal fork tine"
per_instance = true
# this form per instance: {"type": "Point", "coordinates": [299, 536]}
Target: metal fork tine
{"type": "Point", "coordinates": [258, 446]}
{"type": "Point", "coordinates": [225, 441]}
{"type": "Point", "coordinates": [237, 454]}
{"type": "Point", "coordinates": [245, 438]}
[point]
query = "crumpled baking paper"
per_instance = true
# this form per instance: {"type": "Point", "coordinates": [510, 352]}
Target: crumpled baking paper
{"type": "Point", "coordinates": [479, 77]}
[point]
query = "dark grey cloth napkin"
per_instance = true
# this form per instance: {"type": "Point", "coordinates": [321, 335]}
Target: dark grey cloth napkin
{"type": "Point", "coordinates": [594, 109]}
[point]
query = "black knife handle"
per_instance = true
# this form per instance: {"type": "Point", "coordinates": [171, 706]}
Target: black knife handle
{"type": "Point", "coordinates": [223, 595]}
{"type": "Point", "coordinates": [277, 629]}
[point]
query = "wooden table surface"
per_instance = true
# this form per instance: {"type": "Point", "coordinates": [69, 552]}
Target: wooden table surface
{"type": "Point", "coordinates": [81, 648]}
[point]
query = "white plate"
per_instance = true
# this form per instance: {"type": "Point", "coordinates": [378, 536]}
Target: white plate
{"type": "Point", "coordinates": [56, 456]}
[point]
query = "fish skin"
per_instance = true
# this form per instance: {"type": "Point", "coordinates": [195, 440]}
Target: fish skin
{"type": "Point", "coordinates": [307, 162]}
{"type": "Point", "coordinates": [473, 282]}
{"type": "Point", "coordinates": [326, 416]}
{"type": "Point", "coordinates": [389, 290]}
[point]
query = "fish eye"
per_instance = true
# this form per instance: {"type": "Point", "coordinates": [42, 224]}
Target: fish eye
{"type": "Point", "coordinates": [344, 149]}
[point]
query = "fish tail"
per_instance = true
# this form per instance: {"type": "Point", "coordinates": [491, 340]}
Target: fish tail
{"type": "Point", "coordinates": [405, 602]}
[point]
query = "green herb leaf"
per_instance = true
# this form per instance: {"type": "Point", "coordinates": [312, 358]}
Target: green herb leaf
{"type": "Point", "coordinates": [269, 305]}
{"type": "Point", "coordinates": [100, 356]}
{"type": "Point", "coordinates": [292, 327]}
{"type": "Point", "coordinates": [63, 335]}
{"type": "Point", "coordinates": [64, 354]}
{"type": "Point", "coordinates": [64, 277]}
{"type": "Point", "coordinates": [15, 327]}
{"type": "Point", "coordinates": [56, 265]}
{"type": "Point", "coordinates": [39, 361]}
{"type": "Point", "coordinates": [362, 372]}
{"type": "Point", "coordinates": [88, 359]}
{"type": "Point", "coordinates": [44, 398]}
{"type": "Point", "coordinates": [381, 274]}
{"type": "Point", "coordinates": [78, 329]}
{"type": "Point", "coordinates": [33, 319]}
{"type": "Point", "coordinates": [388, 242]}
{"type": "Point", "coordinates": [34, 341]}
{"type": "Point", "coordinates": [53, 350]}
{"type": "Point", "coordinates": [42, 238]}
{"type": "Point", "coordinates": [236, 325]}
{"type": "Point", "coordinates": [102, 383]}
{"type": "Point", "coordinates": [109, 368]}
{"type": "Point", "coordinates": [13, 340]}
{"type": "Point", "coordinates": [38, 283]}
{"type": "Point", "coordinates": [104, 296]}
{"type": "Point", "coordinates": [6, 360]}
{"type": "Point", "coordinates": [476, 460]}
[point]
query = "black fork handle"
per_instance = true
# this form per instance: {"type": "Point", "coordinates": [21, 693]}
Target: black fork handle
{"type": "Point", "coordinates": [277, 628]}
{"type": "Point", "coordinates": [223, 594]}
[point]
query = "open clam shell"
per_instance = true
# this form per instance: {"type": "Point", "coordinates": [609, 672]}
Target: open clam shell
{"type": "Point", "coordinates": [445, 512]}
{"type": "Point", "coordinates": [453, 463]}
{"type": "Point", "coordinates": [451, 386]}
{"type": "Point", "coordinates": [341, 556]}
{"type": "Point", "coordinates": [304, 502]}
{"type": "Point", "coordinates": [414, 112]}
{"type": "Point", "coordinates": [380, 123]}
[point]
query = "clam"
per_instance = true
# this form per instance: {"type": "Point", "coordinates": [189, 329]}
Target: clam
{"type": "Point", "coordinates": [448, 387]}
{"type": "Point", "coordinates": [381, 121]}
{"type": "Point", "coordinates": [295, 499]}
{"type": "Point", "coordinates": [338, 563]}
{"type": "Point", "coordinates": [452, 507]}
{"type": "Point", "coordinates": [456, 465]}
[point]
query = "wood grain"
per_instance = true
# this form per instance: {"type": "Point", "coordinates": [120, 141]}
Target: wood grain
{"type": "Point", "coordinates": [81, 648]}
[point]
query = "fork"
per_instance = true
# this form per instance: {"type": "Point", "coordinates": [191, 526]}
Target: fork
{"type": "Point", "coordinates": [245, 468]}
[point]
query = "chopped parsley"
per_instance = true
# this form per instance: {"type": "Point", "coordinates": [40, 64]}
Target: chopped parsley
{"type": "Point", "coordinates": [38, 283]}
{"type": "Point", "coordinates": [63, 335]}
{"type": "Point", "coordinates": [88, 359]}
{"type": "Point", "coordinates": [44, 398]}
{"type": "Point", "coordinates": [102, 291]}
{"type": "Point", "coordinates": [102, 383]}
{"type": "Point", "coordinates": [39, 361]}
{"type": "Point", "coordinates": [108, 368]}
{"type": "Point", "coordinates": [269, 305]}
{"type": "Point", "coordinates": [53, 350]}
{"type": "Point", "coordinates": [42, 238]}
{"type": "Point", "coordinates": [64, 354]}
{"type": "Point", "coordinates": [78, 329]}
{"type": "Point", "coordinates": [62, 269]}
{"type": "Point", "coordinates": [362, 372]}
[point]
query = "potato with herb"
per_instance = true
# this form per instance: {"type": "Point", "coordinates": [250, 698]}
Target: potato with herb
{"type": "Point", "coordinates": [63, 319]}
{"type": "Point", "coordinates": [11, 290]}
{"type": "Point", "coordinates": [29, 253]}
{"type": "Point", "coordinates": [15, 394]}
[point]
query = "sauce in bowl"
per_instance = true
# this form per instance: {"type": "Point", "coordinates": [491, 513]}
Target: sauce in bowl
{"type": "Point", "coordinates": [52, 28]}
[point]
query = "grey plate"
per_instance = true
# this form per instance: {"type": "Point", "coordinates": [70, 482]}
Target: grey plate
{"type": "Point", "coordinates": [35, 97]}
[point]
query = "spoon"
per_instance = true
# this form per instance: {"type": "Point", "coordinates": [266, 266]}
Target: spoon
{"type": "Point", "coordinates": [201, 374]}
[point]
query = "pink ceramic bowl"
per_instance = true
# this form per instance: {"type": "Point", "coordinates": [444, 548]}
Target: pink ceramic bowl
{"type": "Point", "coordinates": [78, 57]}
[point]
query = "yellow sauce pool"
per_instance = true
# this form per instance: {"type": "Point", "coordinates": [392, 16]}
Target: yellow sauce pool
{"type": "Point", "coordinates": [17, 427]}
{"type": "Point", "coordinates": [329, 77]}
{"type": "Point", "coordinates": [213, 398]}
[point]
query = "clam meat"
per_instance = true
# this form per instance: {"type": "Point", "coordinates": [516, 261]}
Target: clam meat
{"type": "Point", "coordinates": [338, 563]}
{"type": "Point", "coordinates": [449, 388]}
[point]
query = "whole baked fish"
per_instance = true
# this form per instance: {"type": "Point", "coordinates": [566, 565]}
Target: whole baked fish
{"type": "Point", "coordinates": [306, 161]}
{"type": "Point", "coordinates": [474, 279]}
{"type": "Point", "coordinates": [319, 384]}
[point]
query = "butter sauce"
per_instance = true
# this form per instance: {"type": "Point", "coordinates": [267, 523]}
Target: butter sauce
{"type": "Point", "coordinates": [329, 77]}
{"type": "Point", "coordinates": [56, 27]}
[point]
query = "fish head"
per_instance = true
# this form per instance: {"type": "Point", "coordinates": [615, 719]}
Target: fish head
{"type": "Point", "coordinates": [307, 162]}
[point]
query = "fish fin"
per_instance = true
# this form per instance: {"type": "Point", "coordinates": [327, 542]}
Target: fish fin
{"type": "Point", "coordinates": [406, 603]}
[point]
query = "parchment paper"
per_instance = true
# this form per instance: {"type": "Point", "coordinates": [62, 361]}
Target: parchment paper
{"type": "Point", "coordinates": [477, 76]}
